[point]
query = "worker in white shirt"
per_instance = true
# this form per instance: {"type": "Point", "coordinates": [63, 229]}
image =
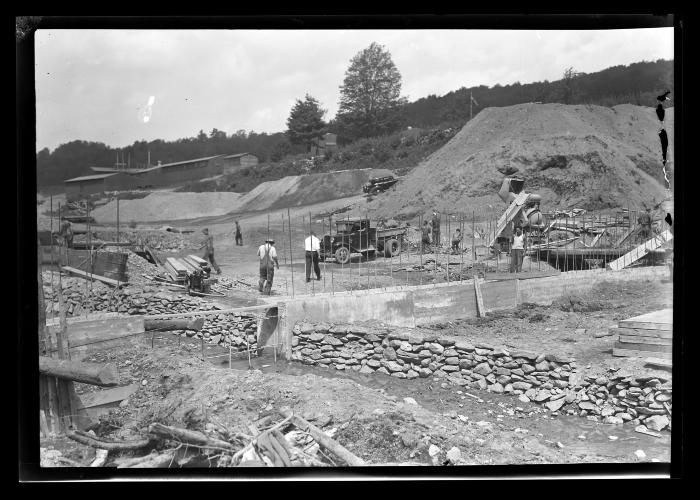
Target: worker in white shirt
{"type": "Point", "coordinates": [312, 246]}
{"type": "Point", "coordinates": [268, 261]}
{"type": "Point", "coordinates": [517, 250]}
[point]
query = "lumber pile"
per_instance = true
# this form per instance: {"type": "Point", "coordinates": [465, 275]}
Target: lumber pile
{"type": "Point", "coordinates": [648, 335]}
{"type": "Point", "coordinates": [176, 269]}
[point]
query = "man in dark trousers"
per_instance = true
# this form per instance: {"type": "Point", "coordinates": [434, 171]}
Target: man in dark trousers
{"type": "Point", "coordinates": [425, 236]}
{"type": "Point", "coordinates": [66, 233]}
{"type": "Point", "coordinates": [208, 246]}
{"type": "Point", "coordinates": [644, 221]}
{"type": "Point", "coordinates": [517, 251]}
{"type": "Point", "coordinates": [436, 229]}
{"type": "Point", "coordinates": [239, 236]}
{"type": "Point", "coordinates": [456, 240]}
{"type": "Point", "coordinates": [268, 261]}
{"type": "Point", "coordinates": [312, 246]}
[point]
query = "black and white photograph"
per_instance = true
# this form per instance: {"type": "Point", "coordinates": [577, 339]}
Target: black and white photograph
{"type": "Point", "coordinates": [425, 250]}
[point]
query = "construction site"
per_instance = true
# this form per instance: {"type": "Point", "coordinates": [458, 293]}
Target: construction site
{"type": "Point", "coordinates": [421, 341]}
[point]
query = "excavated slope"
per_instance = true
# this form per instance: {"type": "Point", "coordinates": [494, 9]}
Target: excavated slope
{"type": "Point", "coordinates": [575, 156]}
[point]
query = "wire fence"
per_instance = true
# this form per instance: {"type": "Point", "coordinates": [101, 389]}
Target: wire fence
{"type": "Point", "coordinates": [361, 252]}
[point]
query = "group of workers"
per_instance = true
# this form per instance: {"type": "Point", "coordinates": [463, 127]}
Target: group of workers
{"type": "Point", "coordinates": [267, 254]}
{"type": "Point", "coordinates": [430, 235]}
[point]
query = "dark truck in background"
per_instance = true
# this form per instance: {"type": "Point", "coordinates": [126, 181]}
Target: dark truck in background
{"type": "Point", "coordinates": [379, 184]}
{"type": "Point", "coordinates": [357, 236]}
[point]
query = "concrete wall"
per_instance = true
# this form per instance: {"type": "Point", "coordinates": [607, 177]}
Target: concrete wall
{"type": "Point", "coordinates": [426, 304]}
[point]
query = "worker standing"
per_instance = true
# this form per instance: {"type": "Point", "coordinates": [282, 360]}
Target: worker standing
{"type": "Point", "coordinates": [436, 229]}
{"type": "Point", "coordinates": [517, 250]}
{"type": "Point", "coordinates": [208, 246]}
{"type": "Point", "coordinates": [425, 236]}
{"type": "Point", "coordinates": [644, 222]}
{"type": "Point", "coordinates": [456, 240]}
{"type": "Point", "coordinates": [66, 233]}
{"type": "Point", "coordinates": [268, 261]}
{"type": "Point", "coordinates": [312, 246]}
{"type": "Point", "coordinates": [239, 236]}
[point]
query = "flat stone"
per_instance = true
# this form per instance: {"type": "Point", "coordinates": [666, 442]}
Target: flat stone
{"type": "Point", "coordinates": [425, 372]}
{"type": "Point", "coordinates": [398, 374]}
{"type": "Point", "coordinates": [482, 369]}
{"type": "Point", "coordinates": [555, 405]}
{"type": "Point", "coordinates": [331, 340]}
{"type": "Point", "coordinates": [435, 348]}
{"type": "Point", "coordinates": [463, 345]}
{"type": "Point", "coordinates": [450, 368]}
{"type": "Point", "coordinates": [449, 353]}
{"type": "Point", "coordinates": [410, 401]}
{"type": "Point", "coordinates": [657, 422]}
{"type": "Point", "coordinates": [527, 368]}
{"type": "Point", "coordinates": [411, 374]}
{"type": "Point", "coordinates": [497, 388]}
{"type": "Point", "coordinates": [523, 398]}
{"type": "Point", "coordinates": [587, 405]}
{"type": "Point", "coordinates": [611, 419]}
{"type": "Point", "coordinates": [316, 337]}
{"type": "Point", "coordinates": [543, 395]}
{"type": "Point", "coordinates": [372, 338]}
{"type": "Point", "coordinates": [366, 369]}
{"type": "Point", "coordinates": [482, 352]}
{"type": "Point", "coordinates": [452, 360]}
{"type": "Point", "coordinates": [389, 354]}
{"type": "Point", "coordinates": [393, 366]}
{"type": "Point", "coordinates": [542, 366]}
{"type": "Point", "coordinates": [521, 386]}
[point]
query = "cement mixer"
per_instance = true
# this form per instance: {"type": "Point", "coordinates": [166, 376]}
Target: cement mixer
{"type": "Point", "coordinates": [523, 211]}
{"type": "Point", "coordinates": [529, 218]}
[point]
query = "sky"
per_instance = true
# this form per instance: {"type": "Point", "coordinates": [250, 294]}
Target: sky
{"type": "Point", "coordinates": [119, 86]}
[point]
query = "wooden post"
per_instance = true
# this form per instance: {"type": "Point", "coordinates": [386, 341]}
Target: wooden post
{"type": "Point", "coordinates": [117, 218]}
{"type": "Point", "coordinates": [420, 227]}
{"type": "Point", "coordinates": [291, 251]}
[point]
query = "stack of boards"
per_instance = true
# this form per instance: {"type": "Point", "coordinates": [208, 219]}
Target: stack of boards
{"type": "Point", "coordinates": [646, 335]}
{"type": "Point", "coordinates": [179, 268]}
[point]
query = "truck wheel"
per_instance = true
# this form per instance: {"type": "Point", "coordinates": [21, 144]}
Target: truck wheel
{"type": "Point", "coordinates": [392, 248]}
{"type": "Point", "coordinates": [342, 255]}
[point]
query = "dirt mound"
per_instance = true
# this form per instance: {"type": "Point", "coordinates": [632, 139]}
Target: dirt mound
{"type": "Point", "coordinates": [162, 206]}
{"type": "Point", "coordinates": [578, 156]}
{"type": "Point", "coordinates": [290, 191]}
{"type": "Point", "coordinates": [298, 190]}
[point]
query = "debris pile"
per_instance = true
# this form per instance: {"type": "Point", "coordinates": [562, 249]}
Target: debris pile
{"type": "Point", "coordinates": [548, 379]}
{"type": "Point", "coordinates": [237, 331]}
{"type": "Point", "coordinates": [87, 297]}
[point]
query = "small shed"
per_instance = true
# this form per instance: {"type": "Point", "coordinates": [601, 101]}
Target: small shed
{"type": "Point", "coordinates": [82, 187]}
{"type": "Point", "coordinates": [231, 163]}
{"type": "Point", "coordinates": [328, 142]}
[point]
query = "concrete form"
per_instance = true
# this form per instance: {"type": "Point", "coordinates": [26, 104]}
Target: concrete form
{"type": "Point", "coordinates": [421, 305]}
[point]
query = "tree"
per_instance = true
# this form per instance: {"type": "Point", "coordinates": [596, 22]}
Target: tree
{"type": "Point", "coordinates": [305, 123]}
{"type": "Point", "coordinates": [370, 95]}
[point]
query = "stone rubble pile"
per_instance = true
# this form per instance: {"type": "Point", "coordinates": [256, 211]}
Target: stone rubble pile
{"type": "Point", "coordinates": [548, 379]}
{"type": "Point", "coordinates": [234, 330]}
{"type": "Point", "coordinates": [98, 297]}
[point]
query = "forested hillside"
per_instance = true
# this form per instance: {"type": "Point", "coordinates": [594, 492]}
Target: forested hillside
{"type": "Point", "coordinates": [638, 83]}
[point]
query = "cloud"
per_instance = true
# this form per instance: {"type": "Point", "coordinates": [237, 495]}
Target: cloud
{"type": "Point", "coordinates": [94, 84]}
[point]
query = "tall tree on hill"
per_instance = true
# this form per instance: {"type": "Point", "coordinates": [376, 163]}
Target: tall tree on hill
{"type": "Point", "coordinates": [305, 123]}
{"type": "Point", "coordinates": [370, 98]}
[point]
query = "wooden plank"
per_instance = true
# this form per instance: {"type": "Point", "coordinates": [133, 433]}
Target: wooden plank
{"type": "Point", "coordinates": [480, 309]}
{"type": "Point", "coordinates": [519, 276]}
{"type": "Point", "coordinates": [662, 317]}
{"type": "Point", "coordinates": [659, 362]}
{"type": "Point", "coordinates": [645, 340]}
{"type": "Point", "coordinates": [641, 332]}
{"type": "Point", "coordinates": [640, 251]}
{"type": "Point", "coordinates": [94, 277]}
{"type": "Point", "coordinates": [108, 396]}
{"type": "Point", "coordinates": [643, 347]}
{"type": "Point", "coordinates": [632, 353]}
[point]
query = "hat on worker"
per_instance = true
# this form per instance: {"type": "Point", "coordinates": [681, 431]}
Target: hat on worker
{"type": "Point", "coordinates": [270, 240]}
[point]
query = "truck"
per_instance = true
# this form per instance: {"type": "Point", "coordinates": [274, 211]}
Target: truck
{"type": "Point", "coordinates": [379, 184]}
{"type": "Point", "coordinates": [357, 236]}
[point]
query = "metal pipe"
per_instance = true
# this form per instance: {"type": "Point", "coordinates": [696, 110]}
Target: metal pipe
{"type": "Point", "coordinates": [330, 232]}
{"type": "Point", "coordinates": [420, 224]}
{"type": "Point", "coordinates": [291, 253]}
{"type": "Point", "coordinates": [117, 218]}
